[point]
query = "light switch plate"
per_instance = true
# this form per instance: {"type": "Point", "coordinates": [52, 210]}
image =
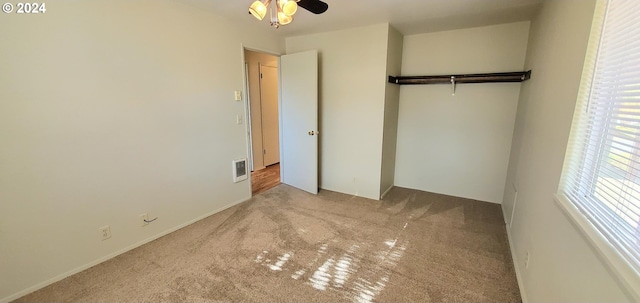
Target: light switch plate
{"type": "Point", "coordinates": [238, 95]}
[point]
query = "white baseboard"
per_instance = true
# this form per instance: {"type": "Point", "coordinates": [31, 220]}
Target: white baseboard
{"type": "Point", "coordinates": [430, 190]}
{"type": "Point", "coordinates": [516, 265]}
{"type": "Point", "coordinates": [112, 255]}
{"type": "Point", "coordinates": [386, 192]}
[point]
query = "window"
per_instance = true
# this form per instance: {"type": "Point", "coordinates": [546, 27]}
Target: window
{"type": "Point", "coordinates": [601, 177]}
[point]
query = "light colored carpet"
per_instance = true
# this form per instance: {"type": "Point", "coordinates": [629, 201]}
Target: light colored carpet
{"type": "Point", "coordinates": [285, 245]}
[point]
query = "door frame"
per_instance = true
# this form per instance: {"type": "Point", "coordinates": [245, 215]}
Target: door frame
{"type": "Point", "coordinates": [247, 105]}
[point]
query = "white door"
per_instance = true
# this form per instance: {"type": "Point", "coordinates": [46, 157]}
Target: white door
{"type": "Point", "coordinates": [299, 112]}
{"type": "Point", "coordinates": [269, 105]}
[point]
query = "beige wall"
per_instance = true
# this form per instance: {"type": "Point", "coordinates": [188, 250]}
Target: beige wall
{"type": "Point", "coordinates": [352, 67]}
{"type": "Point", "coordinates": [459, 145]}
{"type": "Point", "coordinates": [562, 266]}
{"type": "Point", "coordinates": [391, 106]}
{"type": "Point", "coordinates": [109, 109]}
{"type": "Point", "coordinates": [254, 60]}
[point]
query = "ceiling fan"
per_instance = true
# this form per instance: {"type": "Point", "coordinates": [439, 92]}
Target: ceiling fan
{"type": "Point", "coordinates": [284, 10]}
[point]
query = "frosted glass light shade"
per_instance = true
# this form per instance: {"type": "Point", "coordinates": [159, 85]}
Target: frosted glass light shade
{"type": "Point", "coordinates": [283, 19]}
{"type": "Point", "coordinates": [259, 8]}
{"type": "Point", "coordinates": [289, 7]}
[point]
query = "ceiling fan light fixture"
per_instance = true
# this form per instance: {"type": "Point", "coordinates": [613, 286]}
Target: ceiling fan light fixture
{"type": "Point", "coordinates": [259, 8]}
{"type": "Point", "coordinates": [282, 11]}
{"type": "Point", "coordinates": [275, 23]}
{"type": "Point", "coordinates": [283, 19]}
{"type": "Point", "coordinates": [289, 7]}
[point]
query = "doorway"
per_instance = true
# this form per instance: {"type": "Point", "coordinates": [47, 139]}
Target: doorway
{"type": "Point", "coordinates": [263, 117]}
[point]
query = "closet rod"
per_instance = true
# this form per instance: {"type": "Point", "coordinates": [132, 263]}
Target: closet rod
{"type": "Point", "coordinates": [464, 78]}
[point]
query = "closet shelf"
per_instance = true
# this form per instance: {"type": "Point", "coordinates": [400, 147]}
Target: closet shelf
{"type": "Point", "coordinates": [464, 78]}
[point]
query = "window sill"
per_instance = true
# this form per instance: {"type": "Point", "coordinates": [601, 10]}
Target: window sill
{"type": "Point", "coordinates": [627, 277]}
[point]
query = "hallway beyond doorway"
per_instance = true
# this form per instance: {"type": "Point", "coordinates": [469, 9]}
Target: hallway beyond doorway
{"type": "Point", "coordinates": [265, 179]}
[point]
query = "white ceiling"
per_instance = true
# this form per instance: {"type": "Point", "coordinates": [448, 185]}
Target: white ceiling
{"type": "Point", "coordinates": [407, 16]}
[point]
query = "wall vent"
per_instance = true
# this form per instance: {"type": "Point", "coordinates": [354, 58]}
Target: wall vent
{"type": "Point", "coordinates": [239, 170]}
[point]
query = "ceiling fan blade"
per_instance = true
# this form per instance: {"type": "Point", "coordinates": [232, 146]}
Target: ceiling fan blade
{"type": "Point", "coordinates": [314, 6]}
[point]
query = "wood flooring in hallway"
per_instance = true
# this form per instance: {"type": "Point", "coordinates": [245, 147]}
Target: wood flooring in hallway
{"type": "Point", "coordinates": [265, 179]}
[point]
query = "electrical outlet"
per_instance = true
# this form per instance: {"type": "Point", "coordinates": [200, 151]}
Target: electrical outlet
{"type": "Point", "coordinates": [237, 95]}
{"type": "Point", "coordinates": [105, 232]}
{"type": "Point", "coordinates": [144, 219]}
{"type": "Point", "coordinates": [527, 258]}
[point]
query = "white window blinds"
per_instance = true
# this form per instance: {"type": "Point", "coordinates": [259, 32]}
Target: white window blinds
{"type": "Point", "coordinates": [602, 170]}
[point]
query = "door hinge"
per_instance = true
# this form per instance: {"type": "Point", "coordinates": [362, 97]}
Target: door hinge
{"type": "Point", "coordinates": [260, 75]}
{"type": "Point", "coordinates": [264, 151]}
